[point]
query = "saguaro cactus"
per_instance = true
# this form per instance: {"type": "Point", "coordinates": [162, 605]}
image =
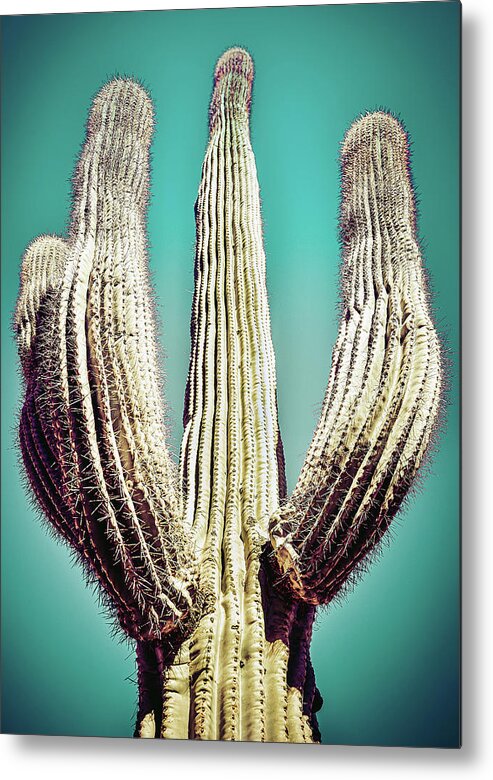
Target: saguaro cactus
{"type": "Point", "coordinates": [212, 571]}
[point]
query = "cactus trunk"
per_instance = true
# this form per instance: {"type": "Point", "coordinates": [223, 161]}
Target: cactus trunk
{"type": "Point", "coordinates": [237, 659]}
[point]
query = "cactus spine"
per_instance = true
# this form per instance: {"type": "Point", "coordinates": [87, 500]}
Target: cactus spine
{"type": "Point", "coordinates": [211, 570]}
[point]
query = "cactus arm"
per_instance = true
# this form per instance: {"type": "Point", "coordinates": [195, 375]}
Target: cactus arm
{"type": "Point", "coordinates": [42, 268]}
{"type": "Point", "coordinates": [92, 433]}
{"type": "Point", "coordinates": [383, 395]}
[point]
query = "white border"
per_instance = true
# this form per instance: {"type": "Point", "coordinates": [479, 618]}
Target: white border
{"type": "Point", "coordinates": [74, 6]}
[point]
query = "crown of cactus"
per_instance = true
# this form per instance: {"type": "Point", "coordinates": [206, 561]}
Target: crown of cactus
{"type": "Point", "coordinates": [210, 567]}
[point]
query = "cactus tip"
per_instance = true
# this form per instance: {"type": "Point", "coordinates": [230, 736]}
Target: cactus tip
{"type": "Point", "coordinates": [234, 60]}
{"type": "Point", "coordinates": [233, 79]}
{"type": "Point", "coordinates": [373, 124]}
{"type": "Point", "coordinates": [127, 102]}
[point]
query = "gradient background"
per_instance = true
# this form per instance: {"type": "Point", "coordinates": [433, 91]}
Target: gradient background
{"type": "Point", "coordinates": [387, 658]}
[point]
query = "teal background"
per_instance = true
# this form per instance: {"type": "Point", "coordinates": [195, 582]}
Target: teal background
{"type": "Point", "coordinates": [387, 656]}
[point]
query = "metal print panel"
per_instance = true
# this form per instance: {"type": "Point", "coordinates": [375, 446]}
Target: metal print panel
{"type": "Point", "coordinates": [280, 562]}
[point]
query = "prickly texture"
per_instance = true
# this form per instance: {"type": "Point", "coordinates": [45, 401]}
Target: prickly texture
{"type": "Point", "coordinates": [229, 461]}
{"type": "Point", "coordinates": [41, 271]}
{"type": "Point", "coordinates": [382, 399]}
{"type": "Point", "coordinates": [92, 432]}
{"type": "Point", "coordinates": [222, 612]}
